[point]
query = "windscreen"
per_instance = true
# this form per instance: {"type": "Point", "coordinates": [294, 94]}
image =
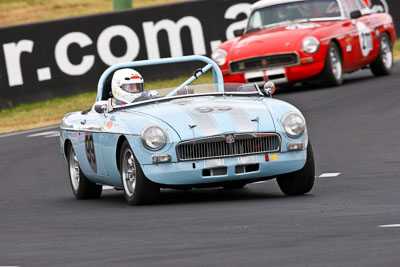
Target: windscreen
{"type": "Point", "coordinates": [199, 89]}
{"type": "Point", "coordinates": [299, 10]}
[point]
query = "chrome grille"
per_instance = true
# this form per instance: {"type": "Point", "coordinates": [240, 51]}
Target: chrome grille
{"type": "Point", "coordinates": [217, 147]}
{"type": "Point", "coordinates": [264, 62]}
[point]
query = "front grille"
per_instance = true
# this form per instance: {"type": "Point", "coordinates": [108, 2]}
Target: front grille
{"type": "Point", "coordinates": [217, 147]}
{"type": "Point", "coordinates": [264, 62]}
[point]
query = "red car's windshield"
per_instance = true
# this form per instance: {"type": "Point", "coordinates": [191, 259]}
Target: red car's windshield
{"type": "Point", "coordinates": [298, 10]}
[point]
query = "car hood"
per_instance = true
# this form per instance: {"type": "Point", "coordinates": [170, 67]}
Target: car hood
{"type": "Point", "coordinates": [198, 117]}
{"type": "Point", "coordinates": [279, 39]}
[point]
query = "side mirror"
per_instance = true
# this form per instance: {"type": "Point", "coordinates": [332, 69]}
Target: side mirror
{"type": "Point", "coordinates": [100, 107]}
{"type": "Point", "coordinates": [238, 32]}
{"type": "Point", "coordinates": [269, 88]}
{"type": "Point", "coordinates": [355, 14]}
{"type": "Point", "coordinates": [109, 106]}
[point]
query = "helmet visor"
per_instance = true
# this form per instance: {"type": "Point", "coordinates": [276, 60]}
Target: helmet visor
{"type": "Point", "coordinates": [132, 87]}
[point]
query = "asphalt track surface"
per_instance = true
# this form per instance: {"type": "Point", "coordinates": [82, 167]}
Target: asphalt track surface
{"type": "Point", "coordinates": [355, 131]}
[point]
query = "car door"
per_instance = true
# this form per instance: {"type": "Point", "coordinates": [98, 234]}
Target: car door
{"type": "Point", "coordinates": [363, 36]}
{"type": "Point", "coordinates": [370, 38]}
{"type": "Point", "coordinates": [91, 126]}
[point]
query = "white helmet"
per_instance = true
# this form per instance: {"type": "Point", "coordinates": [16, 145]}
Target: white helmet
{"type": "Point", "coordinates": [127, 85]}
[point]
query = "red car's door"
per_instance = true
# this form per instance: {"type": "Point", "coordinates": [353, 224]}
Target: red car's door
{"type": "Point", "coordinates": [363, 35]}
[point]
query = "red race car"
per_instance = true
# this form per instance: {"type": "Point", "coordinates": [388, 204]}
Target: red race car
{"type": "Point", "coordinates": [288, 41]}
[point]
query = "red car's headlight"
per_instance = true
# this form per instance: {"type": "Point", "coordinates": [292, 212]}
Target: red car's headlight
{"type": "Point", "coordinates": [310, 45]}
{"type": "Point", "coordinates": [219, 56]}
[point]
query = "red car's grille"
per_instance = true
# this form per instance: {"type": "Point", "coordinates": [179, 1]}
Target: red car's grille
{"type": "Point", "coordinates": [217, 147]}
{"type": "Point", "coordinates": [264, 62]}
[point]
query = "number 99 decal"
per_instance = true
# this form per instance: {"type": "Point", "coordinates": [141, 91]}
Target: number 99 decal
{"type": "Point", "coordinates": [365, 38]}
{"type": "Point", "coordinates": [90, 153]}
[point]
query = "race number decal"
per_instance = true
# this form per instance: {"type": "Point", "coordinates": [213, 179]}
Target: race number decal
{"type": "Point", "coordinates": [90, 153]}
{"type": "Point", "coordinates": [365, 38]}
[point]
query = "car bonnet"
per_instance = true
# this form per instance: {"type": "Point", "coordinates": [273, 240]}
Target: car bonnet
{"type": "Point", "coordinates": [286, 38]}
{"type": "Point", "coordinates": [198, 117]}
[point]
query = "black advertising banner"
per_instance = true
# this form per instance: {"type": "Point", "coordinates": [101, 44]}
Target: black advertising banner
{"type": "Point", "coordinates": [57, 58]}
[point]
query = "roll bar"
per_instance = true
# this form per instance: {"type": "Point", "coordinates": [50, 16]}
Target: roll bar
{"type": "Point", "coordinates": [217, 74]}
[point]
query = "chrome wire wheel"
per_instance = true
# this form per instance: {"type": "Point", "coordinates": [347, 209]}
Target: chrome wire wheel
{"type": "Point", "coordinates": [74, 171]}
{"type": "Point", "coordinates": [336, 63]}
{"type": "Point", "coordinates": [386, 51]}
{"type": "Point", "coordinates": [129, 172]}
{"type": "Point", "coordinates": [332, 74]}
{"type": "Point", "coordinates": [81, 186]}
{"type": "Point", "coordinates": [138, 190]}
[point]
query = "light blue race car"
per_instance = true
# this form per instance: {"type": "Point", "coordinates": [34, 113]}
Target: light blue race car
{"type": "Point", "coordinates": [190, 136]}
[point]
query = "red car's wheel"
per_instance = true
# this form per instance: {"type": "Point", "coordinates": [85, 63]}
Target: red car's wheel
{"type": "Point", "coordinates": [332, 74]}
{"type": "Point", "coordinates": [384, 62]}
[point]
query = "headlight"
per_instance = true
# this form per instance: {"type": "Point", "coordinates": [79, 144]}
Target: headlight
{"type": "Point", "coordinates": [153, 137]}
{"type": "Point", "coordinates": [294, 124]}
{"type": "Point", "coordinates": [219, 56]}
{"type": "Point", "coordinates": [310, 45]}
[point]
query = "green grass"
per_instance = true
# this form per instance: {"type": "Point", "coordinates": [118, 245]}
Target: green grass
{"type": "Point", "coordinates": [46, 113]}
{"type": "Point", "coordinates": [25, 11]}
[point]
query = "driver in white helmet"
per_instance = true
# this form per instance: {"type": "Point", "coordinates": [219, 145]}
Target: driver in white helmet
{"type": "Point", "coordinates": [127, 87]}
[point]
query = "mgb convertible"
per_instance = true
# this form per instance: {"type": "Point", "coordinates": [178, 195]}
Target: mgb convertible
{"type": "Point", "coordinates": [189, 136]}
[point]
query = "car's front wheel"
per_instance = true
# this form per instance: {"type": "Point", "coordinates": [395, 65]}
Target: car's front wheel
{"type": "Point", "coordinates": [138, 189]}
{"type": "Point", "coordinates": [332, 74]}
{"type": "Point", "coordinates": [81, 186]}
{"type": "Point", "coordinates": [301, 181]}
{"type": "Point", "coordinates": [384, 62]}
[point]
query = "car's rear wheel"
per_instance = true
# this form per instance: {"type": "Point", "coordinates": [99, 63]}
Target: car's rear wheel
{"type": "Point", "coordinates": [384, 62]}
{"type": "Point", "coordinates": [138, 189]}
{"type": "Point", "coordinates": [332, 74]}
{"type": "Point", "coordinates": [81, 186]}
{"type": "Point", "coordinates": [301, 181]}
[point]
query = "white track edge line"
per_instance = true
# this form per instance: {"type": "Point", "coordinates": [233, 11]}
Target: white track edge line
{"type": "Point", "coordinates": [389, 225]}
{"type": "Point", "coordinates": [330, 174]}
{"type": "Point", "coordinates": [29, 131]}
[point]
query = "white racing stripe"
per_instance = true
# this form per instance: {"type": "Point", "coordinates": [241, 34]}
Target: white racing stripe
{"type": "Point", "coordinates": [240, 117]}
{"type": "Point", "coordinates": [333, 174]}
{"type": "Point", "coordinates": [205, 122]}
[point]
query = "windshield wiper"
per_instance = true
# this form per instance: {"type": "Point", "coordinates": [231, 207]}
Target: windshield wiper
{"type": "Point", "coordinates": [255, 29]}
{"type": "Point", "coordinates": [278, 24]}
{"type": "Point", "coordinates": [300, 20]}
